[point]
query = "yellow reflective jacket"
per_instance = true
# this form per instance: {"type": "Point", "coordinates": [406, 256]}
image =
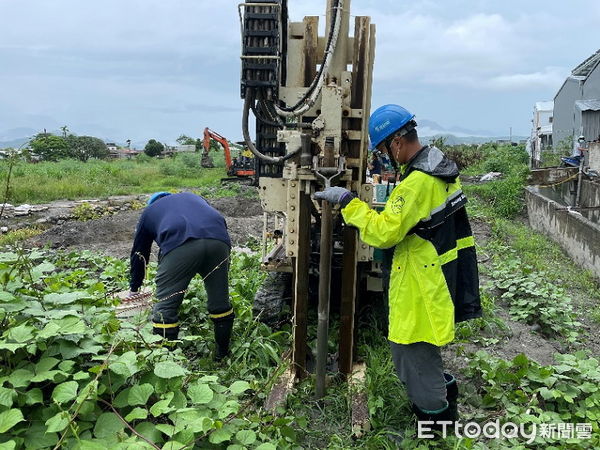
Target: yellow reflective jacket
{"type": "Point", "coordinates": [434, 280]}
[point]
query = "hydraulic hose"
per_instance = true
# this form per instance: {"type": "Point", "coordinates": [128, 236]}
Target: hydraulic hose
{"type": "Point", "coordinates": [310, 98]}
{"type": "Point", "coordinates": [248, 101]}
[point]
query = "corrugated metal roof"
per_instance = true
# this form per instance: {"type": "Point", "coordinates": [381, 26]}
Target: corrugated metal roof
{"type": "Point", "coordinates": [544, 106]}
{"type": "Point", "coordinates": [588, 105]}
{"type": "Point", "coordinates": [546, 129]}
{"type": "Point", "coordinates": [586, 67]}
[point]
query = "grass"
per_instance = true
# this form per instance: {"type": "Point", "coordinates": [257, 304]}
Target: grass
{"type": "Point", "coordinates": [545, 255]}
{"type": "Point", "coordinates": [70, 179]}
{"type": "Point", "coordinates": [12, 237]}
{"type": "Point", "coordinates": [503, 197]}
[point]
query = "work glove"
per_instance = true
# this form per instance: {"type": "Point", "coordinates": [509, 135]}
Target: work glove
{"type": "Point", "coordinates": [335, 195]}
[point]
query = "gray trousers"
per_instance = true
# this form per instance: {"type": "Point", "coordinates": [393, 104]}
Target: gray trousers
{"type": "Point", "coordinates": [419, 366]}
{"type": "Point", "coordinates": [207, 257]}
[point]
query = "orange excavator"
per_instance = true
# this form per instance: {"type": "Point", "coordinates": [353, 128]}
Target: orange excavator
{"type": "Point", "coordinates": [240, 166]}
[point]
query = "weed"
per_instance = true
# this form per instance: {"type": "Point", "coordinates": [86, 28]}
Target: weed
{"type": "Point", "coordinates": [70, 179]}
{"type": "Point", "coordinates": [596, 315]}
{"type": "Point", "coordinates": [16, 236]}
{"type": "Point", "coordinates": [532, 298]}
{"type": "Point", "coordinates": [524, 392]}
{"type": "Point", "coordinates": [74, 375]}
{"type": "Point", "coordinates": [86, 211]}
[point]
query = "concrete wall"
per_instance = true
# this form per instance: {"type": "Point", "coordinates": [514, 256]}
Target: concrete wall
{"type": "Point", "coordinates": [590, 197]}
{"type": "Point", "coordinates": [594, 152]}
{"type": "Point", "coordinates": [563, 122]}
{"type": "Point", "coordinates": [577, 235]}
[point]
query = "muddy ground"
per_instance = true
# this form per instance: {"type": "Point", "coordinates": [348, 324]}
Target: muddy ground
{"type": "Point", "coordinates": [112, 235]}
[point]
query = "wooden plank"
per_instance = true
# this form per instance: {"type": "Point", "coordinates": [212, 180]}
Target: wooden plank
{"type": "Point", "coordinates": [311, 38]}
{"type": "Point", "coordinates": [282, 388]}
{"type": "Point", "coordinates": [359, 401]}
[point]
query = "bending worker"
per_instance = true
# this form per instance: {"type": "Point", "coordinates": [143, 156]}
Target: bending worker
{"type": "Point", "coordinates": [433, 278]}
{"type": "Point", "coordinates": [193, 239]}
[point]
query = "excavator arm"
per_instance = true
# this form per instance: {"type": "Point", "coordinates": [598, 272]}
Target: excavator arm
{"type": "Point", "coordinates": [210, 134]}
{"type": "Point", "coordinates": [242, 166]}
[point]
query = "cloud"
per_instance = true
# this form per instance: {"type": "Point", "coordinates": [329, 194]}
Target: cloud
{"type": "Point", "coordinates": [550, 77]}
{"type": "Point", "coordinates": [147, 67]}
{"type": "Point", "coordinates": [478, 46]}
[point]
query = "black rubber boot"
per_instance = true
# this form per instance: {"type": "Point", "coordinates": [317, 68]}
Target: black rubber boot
{"type": "Point", "coordinates": [446, 415]}
{"type": "Point", "coordinates": [170, 334]}
{"type": "Point", "coordinates": [452, 395]}
{"type": "Point", "coordinates": [223, 327]}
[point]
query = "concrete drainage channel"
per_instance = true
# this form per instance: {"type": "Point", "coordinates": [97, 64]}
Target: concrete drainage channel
{"type": "Point", "coordinates": [551, 210]}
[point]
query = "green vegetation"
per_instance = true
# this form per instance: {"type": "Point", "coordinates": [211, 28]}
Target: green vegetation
{"type": "Point", "coordinates": [153, 148]}
{"type": "Point", "coordinates": [533, 299]}
{"type": "Point", "coordinates": [12, 237]}
{"type": "Point", "coordinates": [90, 380]}
{"type": "Point", "coordinates": [524, 392]}
{"type": "Point", "coordinates": [76, 377]}
{"type": "Point", "coordinates": [70, 179]}
{"type": "Point", "coordinates": [53, 148]}
{"type": "Point", "coordinates": [504, 197]}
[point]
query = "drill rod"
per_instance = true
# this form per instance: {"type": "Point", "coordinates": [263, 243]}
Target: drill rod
{"type": "Point", "coordinates": [324, 278]}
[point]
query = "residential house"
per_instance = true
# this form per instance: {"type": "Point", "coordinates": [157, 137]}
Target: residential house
{"type": "Point", "coordinates": [541, 131]}
{"type": "Point", "coordinates": [577, 104]}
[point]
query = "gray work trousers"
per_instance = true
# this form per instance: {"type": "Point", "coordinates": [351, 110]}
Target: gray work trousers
{"type": "Point", "coordinates": [419, 366]}
{"type": "Point", "coordinates": [207, 257]}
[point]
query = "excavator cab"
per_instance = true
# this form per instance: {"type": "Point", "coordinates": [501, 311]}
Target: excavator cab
{"type": "Point", "coordinates": [240, 166]}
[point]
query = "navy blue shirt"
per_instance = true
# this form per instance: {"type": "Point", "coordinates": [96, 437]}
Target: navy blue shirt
{"type": "Point", "coordinates": [376, 165]}
{"type": "Point", "coordinates": [170, 221]}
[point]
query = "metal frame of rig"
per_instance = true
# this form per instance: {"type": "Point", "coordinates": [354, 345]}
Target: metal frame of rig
{"type": "Point", "coordinates": [311, 97]}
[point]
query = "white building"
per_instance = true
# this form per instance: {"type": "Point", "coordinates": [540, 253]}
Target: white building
{"type": "Point", "coordinates": [541, 131]}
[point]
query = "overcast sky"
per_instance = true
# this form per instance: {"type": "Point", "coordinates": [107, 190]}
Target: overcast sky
{"type": "Point", "coordinates": [143, 69]}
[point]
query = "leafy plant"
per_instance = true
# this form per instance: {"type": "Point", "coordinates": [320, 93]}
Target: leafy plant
{"type": "Point", "coordinates": [524, 392]}
{"type": "Point", "coordinates": [86, 211]}
{"type": "Point", "coordinates": [74, 375]}
{"type": "Point", "coordinates": [532, 298]}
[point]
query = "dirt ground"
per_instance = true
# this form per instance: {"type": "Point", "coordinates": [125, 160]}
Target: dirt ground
{"type": "Point", "coordinates": [112, 235]}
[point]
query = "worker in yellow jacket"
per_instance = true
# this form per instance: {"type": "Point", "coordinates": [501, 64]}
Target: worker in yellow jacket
{"type": "Point", "coordinates": [430, 277]}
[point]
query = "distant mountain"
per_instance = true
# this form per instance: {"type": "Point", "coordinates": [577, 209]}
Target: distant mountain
{"type": "Point", "coordinates": [15, 143]}
{"type": "Point", "coordinates": [430, 128]}
{"type": "Point", "coordinates": [450, 139]}
{"type": "Point", "coordinates": [16, 133]}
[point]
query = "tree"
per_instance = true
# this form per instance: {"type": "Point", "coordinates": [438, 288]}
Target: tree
{"type": "Point", "coordinates": [185, 140]}
{"type": "Point", "coordinates": [64, 130]}
{"type": "Point", "coordinates": [86, 147]}
{"type": "Point", "coordinates": [49, 147]}
{"type": "Point", "coordinates": [153, 148]}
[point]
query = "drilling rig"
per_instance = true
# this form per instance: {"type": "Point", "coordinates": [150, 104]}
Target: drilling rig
{"type": "Point", "coordinates": [310, 96]}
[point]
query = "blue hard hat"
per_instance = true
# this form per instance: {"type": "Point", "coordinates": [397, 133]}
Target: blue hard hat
{"type": "Point", "coordinates": [156, 196]}
{"type": "Point", "coordinates": [386, 120]}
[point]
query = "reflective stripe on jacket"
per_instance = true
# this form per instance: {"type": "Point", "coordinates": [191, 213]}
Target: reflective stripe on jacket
{"type": "Point", "coordinates": [434, 279]}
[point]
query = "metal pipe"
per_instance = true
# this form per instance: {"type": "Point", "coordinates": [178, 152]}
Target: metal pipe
{"type": "Point", "coordinates": [579, 181]}
{"type": "Point", "coordinates": [324, 280]}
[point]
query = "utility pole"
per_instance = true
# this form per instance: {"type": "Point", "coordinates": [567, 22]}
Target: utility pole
{"type": "Point", "coordinates": [510, 134]}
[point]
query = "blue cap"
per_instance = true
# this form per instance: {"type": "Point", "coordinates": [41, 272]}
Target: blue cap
{"type": "Point", "coordinates": [156, 196]}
